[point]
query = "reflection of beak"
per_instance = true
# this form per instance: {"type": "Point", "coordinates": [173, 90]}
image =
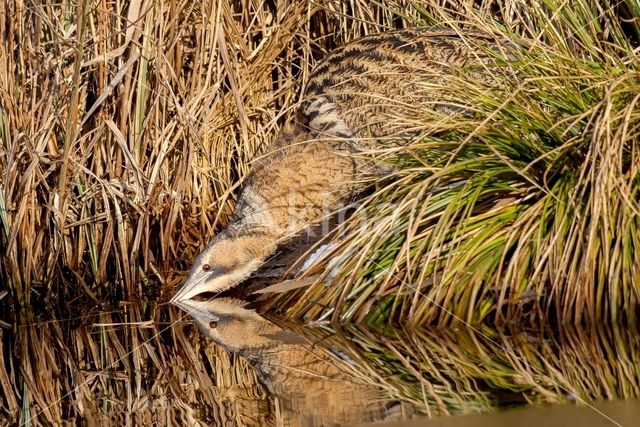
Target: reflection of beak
{"type": "Point", "coordinates": [195, 284]}
{"type": "Point", "coordinates": [216, 309]}
{"type": "Point", "coordinates": [200, 310]}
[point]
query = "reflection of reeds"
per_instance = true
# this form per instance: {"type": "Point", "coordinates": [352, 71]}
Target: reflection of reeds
{"type": "Point", "coordinates": [461, 370]}
{"type": "Point", "coordinates": [121, 368]}
{"type": "Point", "coordinates": [139, 372]}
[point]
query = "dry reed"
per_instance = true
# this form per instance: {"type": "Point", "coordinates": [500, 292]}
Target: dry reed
{"type": "Point", "coordinates": [125, 133]}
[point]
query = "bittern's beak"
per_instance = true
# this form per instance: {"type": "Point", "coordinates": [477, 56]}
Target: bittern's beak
{"type": "Point", "coordinates": [197, 283]}
{"type": "Point", "coordinates": [214, 280]}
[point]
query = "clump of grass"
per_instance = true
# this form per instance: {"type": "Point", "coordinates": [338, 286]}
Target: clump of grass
{"type": "Point", "coordinates": [522, 206]}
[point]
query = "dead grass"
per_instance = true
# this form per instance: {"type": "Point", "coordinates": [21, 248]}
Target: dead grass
{"type": "Point", "coordinates": [125, 134]}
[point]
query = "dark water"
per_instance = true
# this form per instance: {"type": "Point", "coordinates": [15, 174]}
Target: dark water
{"type": "Point", "coordinates": [218, 362]}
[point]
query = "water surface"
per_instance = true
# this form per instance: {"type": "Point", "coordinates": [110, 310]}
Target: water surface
{"type": "Point", "coordinates": [219, 362]}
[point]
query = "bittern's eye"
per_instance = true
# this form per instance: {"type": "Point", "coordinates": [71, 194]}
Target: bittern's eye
{"type": "Point", "coordinates": [213, 324]}
{"type": "Point", "coordinates": [206, 267]}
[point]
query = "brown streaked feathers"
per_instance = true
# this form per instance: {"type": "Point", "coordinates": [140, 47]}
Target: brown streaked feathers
{"type": "Point", "coordinates": [369, 90]}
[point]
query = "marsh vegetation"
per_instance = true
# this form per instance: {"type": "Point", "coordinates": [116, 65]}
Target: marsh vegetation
{"type": "Point", "coordinates": [127, 128]}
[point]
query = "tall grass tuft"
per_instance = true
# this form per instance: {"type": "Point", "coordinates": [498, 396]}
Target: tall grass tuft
{"type": "Point", "coordinates": [520, 203]}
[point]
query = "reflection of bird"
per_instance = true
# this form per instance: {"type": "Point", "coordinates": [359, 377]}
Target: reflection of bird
{"type": "Point", "coordinates": [376, 87]}
{"type": "Point", "coordinates": [312, 387]}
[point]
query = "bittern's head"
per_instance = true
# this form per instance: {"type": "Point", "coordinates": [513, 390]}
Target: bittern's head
{"type": "Point", "coordinates": [228, 259]}
{"type": "Point", "coordinates": [229, 323]}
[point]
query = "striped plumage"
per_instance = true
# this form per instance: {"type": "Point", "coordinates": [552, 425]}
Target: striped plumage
{"type": "Point", "coordinates": [374, 86]}
{"type": "Point", "coordinates": [367, 90]}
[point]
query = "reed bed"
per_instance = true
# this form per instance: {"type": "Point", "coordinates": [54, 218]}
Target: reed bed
{"type": "Point", "coordinates": [127, 127]}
